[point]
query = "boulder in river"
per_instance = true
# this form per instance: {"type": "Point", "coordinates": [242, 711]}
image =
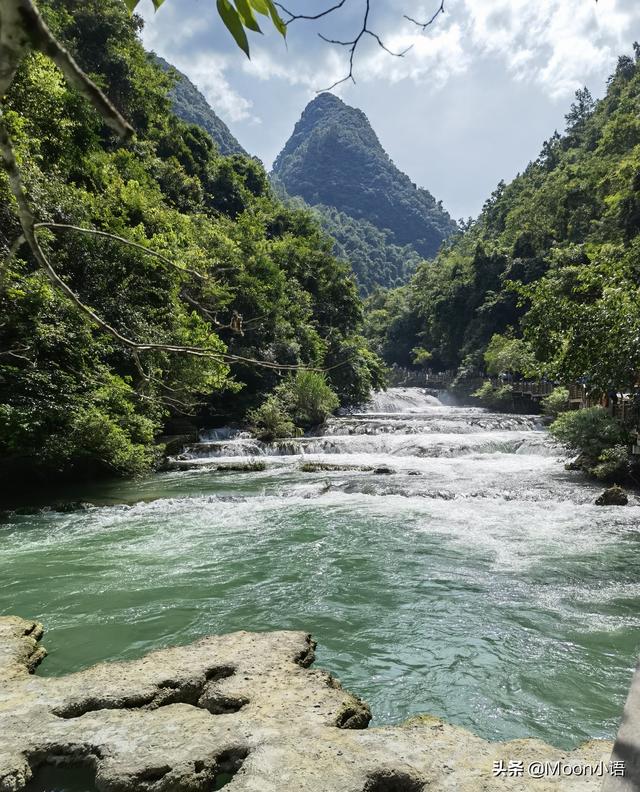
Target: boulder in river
{"type": "Point", "coordinates": [613, 496]}
{"type": "Point", "coordinates": [246, 709]}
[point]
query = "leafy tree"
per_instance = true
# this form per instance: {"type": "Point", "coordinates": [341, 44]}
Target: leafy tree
{"type": "Point", "coordinates": [507, 354]}
{"type": "Point", "coordinates": [591, 432]}
{"type": "Point", "coordinates": [556, 402]}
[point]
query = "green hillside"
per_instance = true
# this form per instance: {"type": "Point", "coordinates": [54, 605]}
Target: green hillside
{"type": "Point", "coordinates": [190, 105]}
{"type": "Point", "coordinates": [241, 278]}
{"type": "Point", "coordinates": [554, 259]}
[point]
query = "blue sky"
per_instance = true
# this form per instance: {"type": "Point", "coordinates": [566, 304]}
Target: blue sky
{"type": "Point", "coordinates": [468, 105]}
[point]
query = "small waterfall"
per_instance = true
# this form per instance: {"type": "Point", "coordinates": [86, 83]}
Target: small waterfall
{"type": "Point", "coordinates": [399, 427]}
{"type": "Point", "coordinates": [402, 400]}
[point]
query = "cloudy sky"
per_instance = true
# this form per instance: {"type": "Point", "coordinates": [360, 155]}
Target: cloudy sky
{"type": "Point", "coordinates": [469, 104]}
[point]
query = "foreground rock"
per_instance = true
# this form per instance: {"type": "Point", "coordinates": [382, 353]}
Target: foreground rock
{"type": "Point", "coordinates": [243, 706]}
{"type": "Point", "coordinates": [613, 496]}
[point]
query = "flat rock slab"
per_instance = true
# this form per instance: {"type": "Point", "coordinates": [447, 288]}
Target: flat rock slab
{"type": "Point", "coordinates": [248, 708]}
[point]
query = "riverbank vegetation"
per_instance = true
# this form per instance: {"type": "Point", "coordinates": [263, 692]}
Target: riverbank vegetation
{"type": "Point", "coordinates": [601, 441]}
{"type": "Point", "coordinates": [547, 278]}
{"type": "Point", "coordinates": [217, 265]}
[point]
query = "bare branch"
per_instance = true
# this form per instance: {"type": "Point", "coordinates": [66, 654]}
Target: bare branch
{"type": "Point", "coordinates": [294, 17]}
{"type": "Point", "coordinates": [15, 353]}
{"type": "Point", "coordinates": [364, 31]}
{"type": "Point", "coordinates": [353, 46]}
{"type": "Point", "coordinates": [429, 22]}
{"type": "Point", "coordinates": [386, 49]}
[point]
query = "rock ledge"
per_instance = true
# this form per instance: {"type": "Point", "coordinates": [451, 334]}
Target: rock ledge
{"type": "Point", "coordinates": [244, 707]}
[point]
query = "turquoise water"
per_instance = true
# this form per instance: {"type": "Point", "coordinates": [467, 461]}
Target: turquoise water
{"type": "Point", "coordinates": [475, 582]}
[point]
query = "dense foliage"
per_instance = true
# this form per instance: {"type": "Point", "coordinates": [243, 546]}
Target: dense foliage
{"type": "Point", "coordinates": [190, 105]}
{"type": "Point", "coordinates": [334, 158]}
{"type": "Point", "coordinates": [602, 442]}
{"type": "Point", "coordinates": [374, 258]}
{"type": "Point", "coordinates": [553, 259]}
{"type": "Point", "coordinates": [556, 402]}
{"type": "Point", "coordinates": [299, 403]}
{"type": "Point", "coordinates": [370, 252]}
{"type": "Point", "coordinates": [243, 275]}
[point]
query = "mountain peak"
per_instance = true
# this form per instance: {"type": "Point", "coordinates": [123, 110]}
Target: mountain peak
{"type": "Point", "coordinates": [191, 106]}
{"type": "Point", "coordinates": [334, 158]}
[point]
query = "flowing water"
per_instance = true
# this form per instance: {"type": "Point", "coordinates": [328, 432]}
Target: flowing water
{"type": "Point", "coordinates": [442, 557]}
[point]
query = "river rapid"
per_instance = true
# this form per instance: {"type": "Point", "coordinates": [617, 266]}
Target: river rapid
{"type": "Point", "coordinates": [442, 557]}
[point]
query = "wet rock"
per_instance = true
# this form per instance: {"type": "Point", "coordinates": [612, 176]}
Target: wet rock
{"type": "Point", "coordinates": [71, 506]}
{"type": "Point", "coordinates": [173, 444]}
{"type": "Point", "coordinates": [579, 463]}
{"type": "Point", "coordinates": [243, 708]}
{"type": "Point", "coordinates": [325, 467]}
{"type": "Point", "coordinates": [613, 496]}
{"type": "Point", "coordinates": [384, 471]}
{"type": "Point", "coordinates": [242, 467]}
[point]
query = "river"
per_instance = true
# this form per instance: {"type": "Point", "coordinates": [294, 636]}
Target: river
{"type": "Point", "coordinates": [446, 563]}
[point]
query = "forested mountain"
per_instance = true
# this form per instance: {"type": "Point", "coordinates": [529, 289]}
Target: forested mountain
{"type": "Point", "coordinates": [553, 259]}
{"type": "Point", "coordinates": [374, 259]}
{"type": "Point", "coordinates": [231, 273]}
{"type": "Point", "coordinates": [335, 159]}
{"type": "Point", "coordinates": [191, 106]}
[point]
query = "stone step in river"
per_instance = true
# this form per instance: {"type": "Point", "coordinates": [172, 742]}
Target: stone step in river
{"type": "Point", "coordinates": [442, 557]}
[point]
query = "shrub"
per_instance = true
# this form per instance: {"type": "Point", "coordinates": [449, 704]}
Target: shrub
{"type": "Point", "coordinates": [556, 402]}
{"type": "Point", "coordinates": [309, 398]}
{"type": "Point", "coordinates": [613, 464]}
{"type": "Point", "coordinates": [270, 420]}
{"type": "Point", "coordinates": [495, 398]}
{"type": "Point", "coordinates": [590, 431]}
{"type": "Point", "coordinates": [298, 403]}
{"type": "Point", "coordinates": [98, 439]}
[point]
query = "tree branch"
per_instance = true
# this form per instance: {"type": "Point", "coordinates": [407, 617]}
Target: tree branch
{"type": "Point", "coordinates": [124, 241]}
{"type": "Point", "coordinates": [353, 46]}
{"type": "Point", "coordinates": [42, 39]}
{"type": "Point", "coordinates": [294, 17]}
{"type": "Point", "coordinates": [429, 22]}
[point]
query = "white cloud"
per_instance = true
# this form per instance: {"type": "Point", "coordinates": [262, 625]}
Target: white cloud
{"type": "Point", "coordinates": [311, 74]}
{"type": "Point", "coordinates": [177, 37]}
{"type": "Point", "coordinates": [431, 59]}
{"type": "Point", "coordinates": [558, 45]}
{"type": "Point", "coordinates": [207, 71]}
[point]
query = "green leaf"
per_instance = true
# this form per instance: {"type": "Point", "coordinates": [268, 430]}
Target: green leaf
{"type": "Point", "coordinates": [247, 15]}
{"type": "Point", "coordinates": [233, 23]}
{"type": "Point", "coordinates": [157, 4]}
{"type": "Point", "coordinates": [131, 5]}
{"type": "Point", "coordinates": [275, 18]}
{"type": "Point", "coordinates": [267, 8]}
{"type": "Point", "coordinates": [260, 6]}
